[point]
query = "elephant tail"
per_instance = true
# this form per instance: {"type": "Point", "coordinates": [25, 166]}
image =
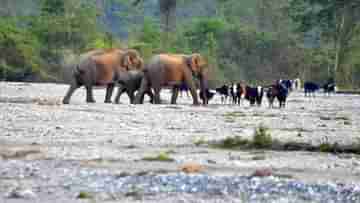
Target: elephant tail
{"type": "Point", "coordinates": [77, 72]}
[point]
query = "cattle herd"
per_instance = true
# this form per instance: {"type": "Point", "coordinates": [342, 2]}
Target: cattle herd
{"type": "Point", "coordinates": [237, 93]}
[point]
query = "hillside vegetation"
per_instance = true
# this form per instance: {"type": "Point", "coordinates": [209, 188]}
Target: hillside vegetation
{"type": "Point", "coordinates": [253, 40]}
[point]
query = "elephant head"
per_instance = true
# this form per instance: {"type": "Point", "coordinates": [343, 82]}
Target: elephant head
{"type": "Point", "coordinates": [131, 60]}
{"type": "Point", "coordinates": [198, 65]}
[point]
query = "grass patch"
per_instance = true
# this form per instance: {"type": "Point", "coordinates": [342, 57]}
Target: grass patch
{"type": "Point", "coordinates": [163, 156]}
{"type": "Point", "coordinates": [325, 118]}
{"type": "Point", "coordinates": [342, 118]}
{"type": "Point", "coordinates": [264, 115]}
{"type": "Point", "coordinates": [234, 114]}
{"type": "Point", "coordinates": [200, 142]}
{"type": "Point", "coordinates": [233, 142]}
{"type": "Point", "coordinates": [299, 129]}
{"type": "Point", "coordinates": [327, 147]}
{"type": "Point", "coordinates": [258, 158]}
{"type": "Point", "coordinates": [170, 151]}
{"type": "Point", "coordinates": [347, 123]}
{"type": "Point", "coordinates": [337, 118]}
{"type": "Point", "coordinates": [262, 138]}
{"type": "Point", "coordinates": [84, 195]}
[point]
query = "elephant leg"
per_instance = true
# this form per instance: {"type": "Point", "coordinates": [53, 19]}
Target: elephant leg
{"type": "Point", "coordinates": [191, 85]}
{"type": "Point", "coordinates": [109, 91]}
{"type": "Point", "coordinates": [174, 95]}
{"type": "Point", "coordinates": [120, 91]}
{"type": "Point", "coordinates": [89, 94]}
{"type": "Point", "coordinates": [131, 96]}
{"type": "Point", "coordinates": [139, 97]}
{"type": "Point", "coordinates": [157, 99]}
{"type": "Point", "coordinates": [69, 93]}
{"type": "Point", "coordinates": [151, 95]}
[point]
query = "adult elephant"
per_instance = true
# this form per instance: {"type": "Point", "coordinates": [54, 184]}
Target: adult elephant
{"type": "Point", "coordinates": [130, 83]}
{"type": "Point", "coordinates": [103, 68]}
{"type": "Point", "coordinates": [174, 70]}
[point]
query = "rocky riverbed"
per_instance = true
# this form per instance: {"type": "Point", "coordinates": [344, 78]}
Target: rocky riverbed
{"type": "Point", "coordinates": [99, 152]}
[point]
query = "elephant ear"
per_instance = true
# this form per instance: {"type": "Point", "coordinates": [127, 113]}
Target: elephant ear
{"type": "Point", "coordinates": [197, 63]}
{"type": "Point", "coordinates": [125, 61]}
{"type": "Point", "coordinates": [131, 60]}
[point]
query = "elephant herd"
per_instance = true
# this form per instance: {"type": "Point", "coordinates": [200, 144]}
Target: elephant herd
{"type": "Point", "coordinates": [125, 69]}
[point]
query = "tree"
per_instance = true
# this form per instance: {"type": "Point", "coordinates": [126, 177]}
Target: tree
{"type": "Point", "coordinates": [337, 21]}
{"type": "Point", "coordinates": [167, 10]}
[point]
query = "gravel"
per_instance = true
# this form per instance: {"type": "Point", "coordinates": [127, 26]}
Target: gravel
{"type": "Point", "coordinates": [70, 179]}
{"type": "Point", "coordinates": [51, 152]}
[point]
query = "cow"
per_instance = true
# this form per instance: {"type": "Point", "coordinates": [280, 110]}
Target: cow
{"type": "Point", "coordinates": [310, 88]}
{"type": "Point", "coordinates": [233, 92]}
{"type": "Point", "coordinates": [278, 91]}
{"type": "Point", "coordinates": [296, 84]}
{"type": "Point", "coordinates": [239, 91]}
{"type": "Point", "coordinates": [254, 95]}
{"type": "Point", "coordinates": [224, 93]}
{"type": "Point", "coordinates": [329, 88]}
{"type": "Point", "coordinates": [209, 95]}
{"type": "Point", "coordinates": [287, 84]}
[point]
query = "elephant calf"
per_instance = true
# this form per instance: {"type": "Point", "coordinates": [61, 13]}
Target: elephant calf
{"type": "Point", "coordinates": [102, 68]}
{"type": "Point", "coordinates": [130, 83]}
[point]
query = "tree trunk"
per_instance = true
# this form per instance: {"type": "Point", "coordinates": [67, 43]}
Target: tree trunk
{"type": "Point", "coordinates": [167, 20]}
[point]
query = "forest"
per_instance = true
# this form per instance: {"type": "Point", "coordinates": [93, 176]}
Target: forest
{"type": "Point", "coordinates": [258, 41]}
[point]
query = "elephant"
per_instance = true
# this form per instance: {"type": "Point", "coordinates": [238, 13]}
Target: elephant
{"type": "Point", "coordinates": [102, 68]}
{"type": "Point", "coordinates": [130, 83]}
{"type": "Point", "coordinates": [174, 70]}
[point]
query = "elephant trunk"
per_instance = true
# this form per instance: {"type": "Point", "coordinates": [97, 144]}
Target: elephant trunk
{"type": "Point", "coordinates": [204, 88]}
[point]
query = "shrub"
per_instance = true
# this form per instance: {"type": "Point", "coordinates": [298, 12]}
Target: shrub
{"type": "Point", "coordinates": [262, 138]}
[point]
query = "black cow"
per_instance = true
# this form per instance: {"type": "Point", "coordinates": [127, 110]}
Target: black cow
{"type": "Point", "coordinates": [254, 95]}
{"type": "Point", "coordinates": [310, 88]}
{"type": "Point", "coordinates": [233, 92]}
{"type": "Point", "coordinates": [287, 84]}
{"type": "Point", "coordinates": [209, 95]}
{"type": "Point", "coordinates": [238, 92]}
{"type": "Point", "coordinates": [278, 91]}
{"type": "Point", "coordinates": [329, 88]}
{"type": "Point", "coordinates": [224, 93]}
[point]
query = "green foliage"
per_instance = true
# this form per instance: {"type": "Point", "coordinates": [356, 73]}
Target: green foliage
{"type": "Point", "coordinates": [33, 47]}
{"type": "Point", "coordinates": [19, 55]}
{"type": "Point", "coordinates": [256, 41]}
{"type": "Point", "coordinates": [336, 23]}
